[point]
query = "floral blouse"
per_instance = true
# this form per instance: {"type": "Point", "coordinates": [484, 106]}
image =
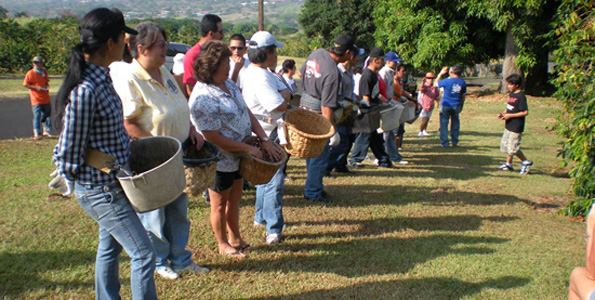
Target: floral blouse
{"type": "Point", "coordinates": [213, 109]}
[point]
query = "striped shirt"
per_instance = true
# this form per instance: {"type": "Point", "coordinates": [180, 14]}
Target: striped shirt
{"type": "Point", "coordinates": [93, 119]}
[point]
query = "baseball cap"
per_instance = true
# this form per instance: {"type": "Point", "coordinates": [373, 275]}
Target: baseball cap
{"type": "Point", "coordinates": [38, 59]}
{"type": "Point", "coordinates": [344, 42]}
{"type": "Point", "coordinates": [263, 39]}
{"type": "Point", "coordinates": [391, 56]}
{"type": "Point", "coordinates": [114, 24]}
{"type": "Point", "coordinates": [377, 52]}
{"type": "Point", "coordinates": [430, 75]}
{"type": "Point", "coordinates": [178, 68]}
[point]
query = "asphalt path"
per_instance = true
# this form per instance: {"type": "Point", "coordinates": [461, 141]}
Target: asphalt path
{"type": "Point", "coordinates": [16, 118]}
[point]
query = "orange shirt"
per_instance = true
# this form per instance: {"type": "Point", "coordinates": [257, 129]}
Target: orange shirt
{"type": "Point", "coordinates": [36, 79]}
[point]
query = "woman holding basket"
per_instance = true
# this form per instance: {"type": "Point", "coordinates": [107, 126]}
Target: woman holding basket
{"type": "Point", "coordinates": [218, 110]}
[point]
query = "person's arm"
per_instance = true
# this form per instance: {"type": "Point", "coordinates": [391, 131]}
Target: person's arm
{"type": "Point", "coordinates": [239, 64]}
{"type": "Point", "coordinates": [590, 255]}
{"type": "Point", "coordinates": [195, 137]}
{"type": "Point", "coordinates": [274, 152]}
{"type": "Point", "coordinates": [286, 94]}
{"type": "Point", "coordinates": [442, 72]}
{"type": "Point", "coordinates": [520, 114]}
{"type": "Point", "coordinates": [134, 130]}
{"type": "Point", "coordinates": [227, 144]}
{"type": "Point", "coordinates": [78, 119]}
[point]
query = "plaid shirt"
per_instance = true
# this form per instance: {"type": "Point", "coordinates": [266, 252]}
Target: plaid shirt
{"type": "Point", "coordinates": [93, 119]}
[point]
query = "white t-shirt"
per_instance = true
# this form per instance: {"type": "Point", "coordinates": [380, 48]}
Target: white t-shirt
{"type": "Point", "coordinates": [260, 89]}
{"type": "Point", "coordinates": [232, 66]}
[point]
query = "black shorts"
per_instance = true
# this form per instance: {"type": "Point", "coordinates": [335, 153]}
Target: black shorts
{"type": "Point", "coordinates": [224, 180]}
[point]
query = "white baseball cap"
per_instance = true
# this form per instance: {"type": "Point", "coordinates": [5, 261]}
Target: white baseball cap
{"type": "Point", "coordinates": [263, 39]}
{"type": "Point", "coordinates": [178, 68]}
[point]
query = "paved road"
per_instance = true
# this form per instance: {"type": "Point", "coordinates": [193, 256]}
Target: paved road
{"type": "Point", "coordinates": [16, 118]}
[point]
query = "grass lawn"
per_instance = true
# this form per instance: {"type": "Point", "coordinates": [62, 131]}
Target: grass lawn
{"type": "Point", "coordinates": [446, 226]}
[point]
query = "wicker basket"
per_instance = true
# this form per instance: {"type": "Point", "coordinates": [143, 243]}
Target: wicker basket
{"type": "Point", "coordinates": [258, 171]}
{"type": "Point", "coordinates": [199, 167]}
{"type": "Point", "coordinates": [307, 133]}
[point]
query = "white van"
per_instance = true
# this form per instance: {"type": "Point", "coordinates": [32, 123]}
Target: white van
{"type": "Point", "coordinates": [172, 50]}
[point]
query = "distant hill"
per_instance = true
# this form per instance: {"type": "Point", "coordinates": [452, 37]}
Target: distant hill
{"type": "Point", "coordinates": [278, 12]}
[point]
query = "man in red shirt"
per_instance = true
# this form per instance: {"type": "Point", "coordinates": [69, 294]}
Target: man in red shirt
{"type": "Point", "coordinates": [37, 81]}
{"type": "Point", "coordinates": [210, 29]}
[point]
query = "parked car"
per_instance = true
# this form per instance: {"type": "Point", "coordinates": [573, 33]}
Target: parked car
{"type": "Point", "coordinates": [172, 50]}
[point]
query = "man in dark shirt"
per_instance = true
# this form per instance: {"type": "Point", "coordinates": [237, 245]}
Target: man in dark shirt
{"type": "Point", "coordinates": [321, 80]}
{"type": "Point", "coordinates": [370, 93]}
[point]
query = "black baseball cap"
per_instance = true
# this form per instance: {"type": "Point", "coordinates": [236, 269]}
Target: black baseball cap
{"type": "Point", "coordinates": [377, 53]}
{"type": "Point", "coordinates": [344, 42]}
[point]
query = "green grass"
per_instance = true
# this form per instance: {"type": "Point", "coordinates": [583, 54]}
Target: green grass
{"type": "Point", "coordinates": [446, 226]}
{"type": "Point", "coordinates": [13, 87]}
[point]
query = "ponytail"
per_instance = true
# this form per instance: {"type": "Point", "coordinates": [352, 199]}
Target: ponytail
{"type": "Point", "coordinates": [76, 68]}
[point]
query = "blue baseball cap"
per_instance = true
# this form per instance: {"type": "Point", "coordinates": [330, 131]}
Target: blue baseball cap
{"type": "Point", "coordinates": [391, 56]}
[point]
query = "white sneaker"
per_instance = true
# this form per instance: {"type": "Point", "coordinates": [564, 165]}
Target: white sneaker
{"type": "Point", "coordinates": [256, 224]}
{"type": "Point", "coordinates": [425, 133]}
{"type": "Point", "coordinates": [273, 238]}
{"type": "Point", "coordinates": [376, 161]}
{"type": "Point", "coordinates": [193, 268]}
{"type": "Point", "coordinates": [402, 162]}
{"type": "Point", "coordinates": [421, 133]}
{"type": "Point", "coordinates": [167, 273]}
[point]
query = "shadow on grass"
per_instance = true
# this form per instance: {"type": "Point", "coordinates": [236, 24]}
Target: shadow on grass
{"type": "Point", "coordinates": [367, 256]}
{"type": "Point", "coordinates": [389, 225]}
{"type": "Point", "coordinates": [425, 288]}
{"type": "Point", "coordinates": [25, 271]}
{"type": "Point", "coordinates": [365, 195]}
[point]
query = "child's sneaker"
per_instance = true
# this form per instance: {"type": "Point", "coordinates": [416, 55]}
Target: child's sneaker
{"type": "Point", "coordinates": [525, 166]}
{"type": "Point", "coordinates": [505, 167]}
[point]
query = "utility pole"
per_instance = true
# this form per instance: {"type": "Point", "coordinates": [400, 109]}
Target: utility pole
{"type": "Point", "coordinates": [260, 15]}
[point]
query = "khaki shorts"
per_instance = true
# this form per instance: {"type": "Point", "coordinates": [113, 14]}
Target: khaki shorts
{"type": "Point", "coordinates": [425, 113]}
{"type": "Point", "coordinates": [510, 143]}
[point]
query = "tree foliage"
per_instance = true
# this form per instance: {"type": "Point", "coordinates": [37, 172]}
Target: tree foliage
{"type": "Point", "coordinates": [324, 20]}
{"type": "Point", "coordinates": [576, 90]}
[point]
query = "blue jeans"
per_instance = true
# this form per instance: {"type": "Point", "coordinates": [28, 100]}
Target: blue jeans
{"type": "Point", "coordinates": [41, 116]}
{"type": "Point", "coordinates": [391, 148]}
{"type": "Point", "coordinates": [119, 228]}
{"type": "Point", "coordinates": [449, 114]}
{"type": "Point", "coordinates": [269, 203]}
{"type": "Point", "coordinates": [337, 153]}
{"type": "Point", "coordinates": [168, 229]}
{"type": "Point", "coordinates": [316, 168]}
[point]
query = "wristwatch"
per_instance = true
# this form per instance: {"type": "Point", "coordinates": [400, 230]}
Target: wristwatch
{"type": "Point", "coordinates": [265, 139]}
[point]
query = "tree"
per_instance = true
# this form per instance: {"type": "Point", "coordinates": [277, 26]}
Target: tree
{"type": "Point", "coordinates": [21, 14]}
{"type": "Point", "coordinates": [324, 20]}
{"type": "Point", "coordinates": [3, 12]}
{"type": "Point", "coordinates": [576, 90]}
{"type": "Point", "coordinates": [438, 32]}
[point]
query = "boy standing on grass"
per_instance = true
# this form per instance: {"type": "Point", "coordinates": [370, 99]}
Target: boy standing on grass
{"type": "Point", "coordinates": [516, 111]}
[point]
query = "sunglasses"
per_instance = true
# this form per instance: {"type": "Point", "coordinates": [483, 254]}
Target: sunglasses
{"type": "Point", "coordinates": [234, 48]}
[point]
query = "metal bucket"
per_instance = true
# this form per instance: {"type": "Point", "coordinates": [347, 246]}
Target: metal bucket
{"type": "Point", "coordinates": [159, 173]}
{"type": "Point", "coordinates": [390, 117]}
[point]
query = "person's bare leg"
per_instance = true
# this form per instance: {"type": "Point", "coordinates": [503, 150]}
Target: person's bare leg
{"type": "Point", "coordinates": [232, 213]}
{"type": "Point", "coordinates": [218, 223]}
{"type": "Point", "coordinates": [398, 140]}
{"type": "Point", "coordinates": [424, 124]}
{"type": "Point", "coordinates": [521, 156]}
{"type": "Point", "coordinates": [582, 284]}
{"type": "Point", "coordinates": [509, 159]}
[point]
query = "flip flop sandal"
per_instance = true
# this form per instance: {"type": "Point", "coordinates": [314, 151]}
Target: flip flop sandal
{"type": "Point", "coordinates": [246, 248]}
{"type": "Point", "coordinates": [236, 254]}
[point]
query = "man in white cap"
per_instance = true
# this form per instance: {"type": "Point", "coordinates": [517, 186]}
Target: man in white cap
{"type": "Point", "coordinates": [267, 98]}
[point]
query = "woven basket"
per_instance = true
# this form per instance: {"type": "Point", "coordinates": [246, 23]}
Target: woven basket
{"type": "Point", "coordinates": [258, 171]}
{"type": "Point", "coordinates": [199, 167]}
{"type": "Point", "coordinates": [307, 133]}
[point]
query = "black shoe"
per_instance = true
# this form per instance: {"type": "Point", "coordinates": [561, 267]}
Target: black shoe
{"type": "Point", "coordinates": [328, 174]}
{"type": "Point", "coordinates": [386, 165]}
{"type": "Point", "coordinates": [319, 199]}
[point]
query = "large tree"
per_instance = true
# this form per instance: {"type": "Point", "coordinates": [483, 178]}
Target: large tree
{"type": "Point", "coordinates": [324, 20]}
{"type": "Point", "coordinates": [431, 33]}
{"type": "Point", "coordinates": [576, 91]}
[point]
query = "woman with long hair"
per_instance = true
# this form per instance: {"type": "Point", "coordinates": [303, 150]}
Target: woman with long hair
{"type": "Point", "coordinates": [154, 105]}
{"type": "Point", "coordinates": [90, 112]}
{"type": "Point", "coordinates": [218, 110]}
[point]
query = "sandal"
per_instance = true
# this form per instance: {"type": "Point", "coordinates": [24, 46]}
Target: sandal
{"type": "Point", "coordinates": [245, 248]}
{"type": "Point", "coordinates": [236, 254]}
